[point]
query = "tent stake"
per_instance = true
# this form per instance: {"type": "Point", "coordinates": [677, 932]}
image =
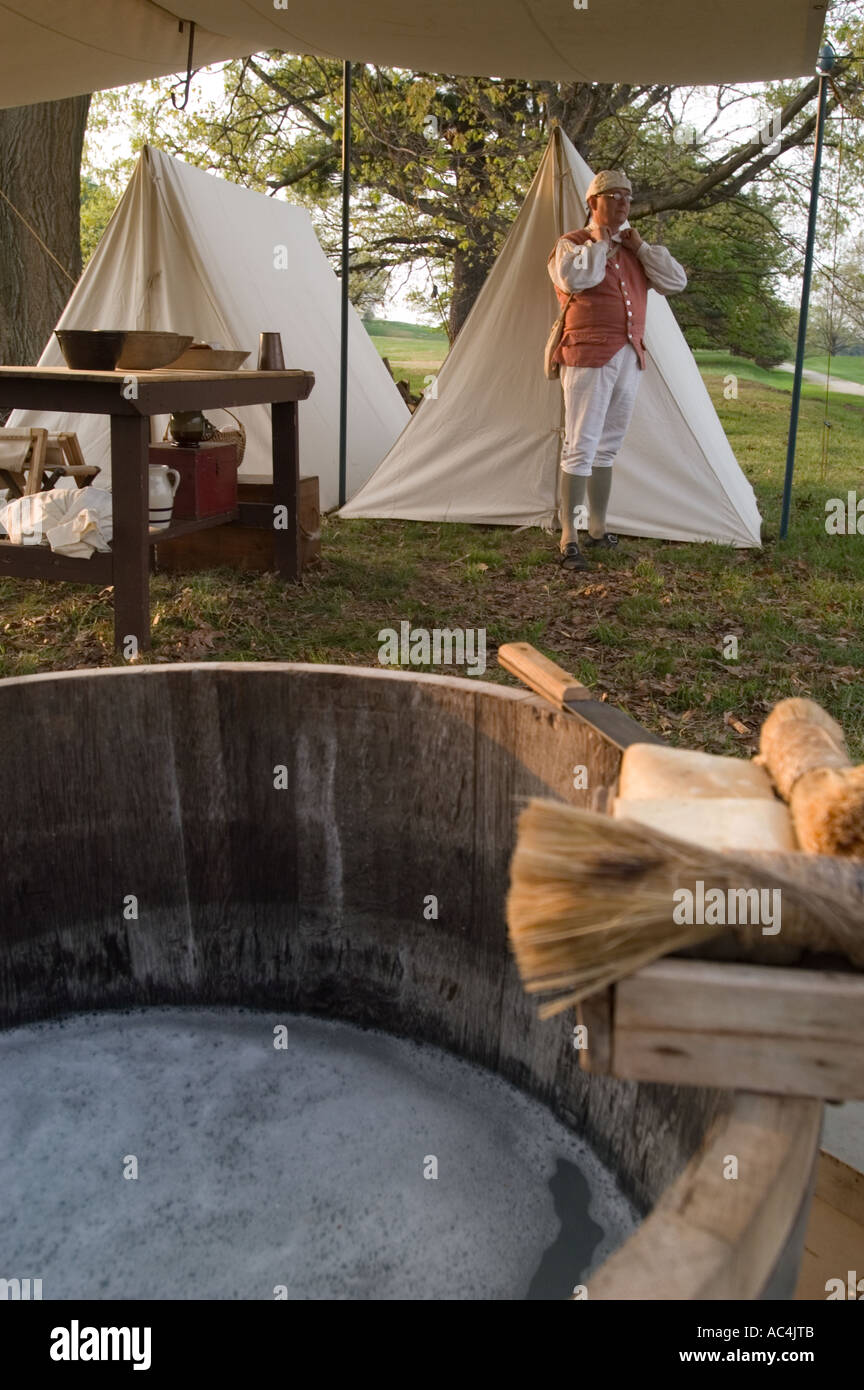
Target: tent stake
{"type": "Point", "coordinates": [827, 58]}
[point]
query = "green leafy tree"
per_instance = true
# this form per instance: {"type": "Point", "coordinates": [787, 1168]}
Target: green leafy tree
{"type": "Point", "coordinates": [732, 255]}
{"type": "Point", "coordinates": [837, 312]}
{"type": "Point", "coordinates": [98, 201]}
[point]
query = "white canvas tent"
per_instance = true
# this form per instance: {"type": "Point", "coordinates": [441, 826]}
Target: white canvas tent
{"type": "Point", "coordinates": [190, 253]}
{"type": "Point", "coordinates": [485, 448]}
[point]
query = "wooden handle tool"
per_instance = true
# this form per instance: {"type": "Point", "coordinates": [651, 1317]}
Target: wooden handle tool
{"type": "Point", "coordinates": [564, 691]}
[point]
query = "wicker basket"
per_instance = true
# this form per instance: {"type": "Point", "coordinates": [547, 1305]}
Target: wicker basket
{"type": "Point", "coordinates": [213, 435]}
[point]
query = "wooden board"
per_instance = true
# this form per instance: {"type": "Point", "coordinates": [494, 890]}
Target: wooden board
{"type": "Point", "coordinates": [841, 1187]}
{"type": "Point", "coordinates": [777, 1030]}
{"type": "Point", "coordinates": [41, 562]}
{"type": "Point", "coordinates": [158, 392]}
{"type": "Point", "coordinates": [834, 1243]}
{"type": "Point", "coordinates": [718, 1233]}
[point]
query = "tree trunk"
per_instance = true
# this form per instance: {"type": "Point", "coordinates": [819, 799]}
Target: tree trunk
{"type": "Point", "coordinates": [469, 277]}
{"type": "Point", "coordinates": [40, 173]}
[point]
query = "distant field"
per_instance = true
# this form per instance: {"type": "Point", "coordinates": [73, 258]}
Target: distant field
{"type": "Point", "coordinates": [417, 352]}
{"type": "Point", "coordinates": [413, 351]}
{"type": "Point", "coordinates": [847, 368]}
{"type": "Point", "coordinates": [725, 364]}
{"type": "Point", "coordinates": [394, 328]}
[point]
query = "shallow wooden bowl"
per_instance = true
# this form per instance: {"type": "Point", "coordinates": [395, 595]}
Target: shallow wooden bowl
{"type": "Point", "coordinates": [206, 359]}
{"type": "Point", "coordinates": [145, 351]}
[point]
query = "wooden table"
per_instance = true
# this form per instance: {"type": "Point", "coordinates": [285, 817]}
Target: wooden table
{"type": "Point", "coordinates": [130, 399]}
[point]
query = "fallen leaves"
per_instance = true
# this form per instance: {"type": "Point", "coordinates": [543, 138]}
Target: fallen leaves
{"type": "Point", "coordinates": [195, 644]}
{"type": "Point", "coordinates": [730, 720]}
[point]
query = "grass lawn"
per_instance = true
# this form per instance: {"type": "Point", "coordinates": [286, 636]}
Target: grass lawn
{"type": "Point", "coordinates": [394, 328]}
{"type": "Point", "coordinates": [645, 627]}
{"type": "Point", "coordinates": [413, 362]}
{"type": "Point", "coordinates": [724, 364]}
{"type": "Point", "coordinates": [414, 351]}
{"type": "Point", "coordinates": [417, 352]}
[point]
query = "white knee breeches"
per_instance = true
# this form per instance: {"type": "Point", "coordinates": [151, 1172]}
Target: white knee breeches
{"type": "Point", "coordinates": [598, 406]}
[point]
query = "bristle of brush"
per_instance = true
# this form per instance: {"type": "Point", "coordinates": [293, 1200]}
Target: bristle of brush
{"type": "Point", "coordinates": [591, 901]}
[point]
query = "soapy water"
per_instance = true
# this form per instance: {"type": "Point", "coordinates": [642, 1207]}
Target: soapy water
{"type": "Point", "coordinates": [347, 1165]}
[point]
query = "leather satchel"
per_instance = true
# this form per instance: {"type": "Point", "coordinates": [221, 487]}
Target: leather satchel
{"type": "Point", "coordinates": [550, 366]}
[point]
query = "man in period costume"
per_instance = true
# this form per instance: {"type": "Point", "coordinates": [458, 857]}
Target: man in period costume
{"type": "Point", "coordinates": [602, 274]}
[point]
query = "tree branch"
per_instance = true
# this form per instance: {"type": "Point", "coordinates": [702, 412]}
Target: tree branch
{"type": "Point", "coordinates": [287, 181]}
{"type": "Point", "coordinates": [297, 103]}
{"type": "Point", "coordinates": [697, 196]}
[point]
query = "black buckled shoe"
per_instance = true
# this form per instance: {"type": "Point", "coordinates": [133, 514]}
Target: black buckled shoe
{"type": "Point", "coordinates": [572, 558]}
{"type": "Point", "coordinates": [605, 542]}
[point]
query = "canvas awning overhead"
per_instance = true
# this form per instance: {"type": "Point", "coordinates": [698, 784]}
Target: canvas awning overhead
{"type": "Point", "coordinates": [57, 48]}
{"type": "Point", "coordinates": [485, 446]}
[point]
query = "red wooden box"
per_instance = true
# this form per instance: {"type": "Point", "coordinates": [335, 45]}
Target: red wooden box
{"type": "Point", "coordinates": [208, 478]}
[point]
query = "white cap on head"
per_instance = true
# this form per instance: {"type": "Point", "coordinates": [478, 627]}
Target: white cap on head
{"type": "Point", "coordinates": [607, 181]}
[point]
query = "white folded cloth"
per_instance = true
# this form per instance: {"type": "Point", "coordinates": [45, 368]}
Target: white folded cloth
{"type": "Point", "coordinates": [74, 521]}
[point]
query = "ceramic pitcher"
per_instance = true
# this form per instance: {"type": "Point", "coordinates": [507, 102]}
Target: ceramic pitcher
{"type": "Point", "coordinates": [164, 482]}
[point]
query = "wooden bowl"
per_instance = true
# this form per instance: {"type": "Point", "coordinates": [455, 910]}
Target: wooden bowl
{"type": "Point", "coordinates": [202, 358]}
{"type": "Point", "coordinates": [145, 351]}
{"type": "Point", "coordinates": [90, 350]}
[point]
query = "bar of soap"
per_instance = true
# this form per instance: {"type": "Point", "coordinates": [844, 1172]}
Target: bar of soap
{"type": "Point", "coordinates": [650, 771]}
{"type": "Point", "coordinates": [720, 823]}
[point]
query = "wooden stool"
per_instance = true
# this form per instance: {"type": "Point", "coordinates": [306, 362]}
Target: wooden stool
{"type": "Point", "coordinates": [32, 460]}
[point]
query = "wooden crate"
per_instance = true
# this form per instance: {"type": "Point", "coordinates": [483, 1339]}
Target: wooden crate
{"type": "Point", "coordinates": [208, 478]}
{"type": "Point", "coordinates": [246, 544]}
{"type": "Point", "coordinates": [835, 1233]}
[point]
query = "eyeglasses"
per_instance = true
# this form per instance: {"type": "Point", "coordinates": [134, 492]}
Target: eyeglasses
{"type": "Point", "coordinates": [619, 197]}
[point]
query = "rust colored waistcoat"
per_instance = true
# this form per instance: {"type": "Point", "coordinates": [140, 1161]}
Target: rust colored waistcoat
{"type": "Point", "coordinates": [596, 324]}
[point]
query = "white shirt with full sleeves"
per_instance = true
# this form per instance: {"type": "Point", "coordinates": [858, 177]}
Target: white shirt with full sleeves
{"type": "Point", "coordinates": [575, 268]}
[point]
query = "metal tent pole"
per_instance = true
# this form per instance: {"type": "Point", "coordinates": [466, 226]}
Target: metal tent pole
{"type": "Point", "coordinates": [343, 344]}
{"type": "Point", "coordinates": [827, 59]}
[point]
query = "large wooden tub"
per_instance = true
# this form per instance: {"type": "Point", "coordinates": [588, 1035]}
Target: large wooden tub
{"type": "Point", "coordinates": [282, 828]}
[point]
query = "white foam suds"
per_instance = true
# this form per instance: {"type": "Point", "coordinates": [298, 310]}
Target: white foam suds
{"type": "Point", "coordinates": [260, 1167]}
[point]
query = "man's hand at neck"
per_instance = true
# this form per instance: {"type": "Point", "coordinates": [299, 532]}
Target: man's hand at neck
{"type": "Point", "coordinates": [625, 235]}
{"type": "Point", "coordinates": [600, 233]}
